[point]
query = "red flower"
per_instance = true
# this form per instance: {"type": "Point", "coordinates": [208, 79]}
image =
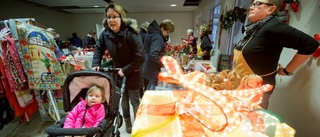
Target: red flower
{"type": "Point", "coordinates": [62, 58]}
{"type": "Point", "coordinates": [54, 60]}
{"type": "Point", "coordinates": [52, 48]}
{"type": "Point", "coordinates": [30, 72]}
{"type": "Point", "coordinates": [27, 57]}
{"type": "Point", "coordinates": [78, 67]}
{"type": "Point", "coordinates": [48, 55]}
{"type": "Point", "coordinates": [31, 85]}
{"type": "Point", "coordinates": [24, 42]}
{"type": "Point", "coordinates": [316, 36]}
{"type": "Point", "coordinates": [316, 53]}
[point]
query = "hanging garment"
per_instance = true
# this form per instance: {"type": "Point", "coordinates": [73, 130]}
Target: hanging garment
{"type": "Point", "coordinates": [26, 111]}
{"type": "Point", "coordinates": [29, 108]}
{"type": "Point", "coordinates": [37, 47]}
{"type": "Point", "coordinates": [13, 67]}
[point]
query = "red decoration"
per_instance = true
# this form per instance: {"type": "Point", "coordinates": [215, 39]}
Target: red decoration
{"type": "Point", "coordinates": [317, 52]}
{"type": "Point", "coordinates": [294, 4]}
{"type": "Point", "coordinates": [78, 67]}
{"type": "Point", "coordinates": [316, 36]}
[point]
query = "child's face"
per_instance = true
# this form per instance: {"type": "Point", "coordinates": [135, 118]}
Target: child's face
{"type": "Point", "coordinates": [94, 98]}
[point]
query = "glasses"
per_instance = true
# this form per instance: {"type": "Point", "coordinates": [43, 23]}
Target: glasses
{"type": "Point", "coordinates": [258, 3]}
{"type": "Point", "coordinates": [113, 18]}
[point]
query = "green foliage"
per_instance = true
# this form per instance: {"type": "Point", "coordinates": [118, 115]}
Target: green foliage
{"type": "Point", "coordinates": [228, 19]}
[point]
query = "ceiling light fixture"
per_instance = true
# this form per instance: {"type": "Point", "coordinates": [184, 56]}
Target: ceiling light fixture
{"type": "Point", "coordinates": [173, 5]}
{"type": "Point", "coordinates": [96, 6]}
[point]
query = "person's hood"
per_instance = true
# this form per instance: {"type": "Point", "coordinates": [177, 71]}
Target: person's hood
{"type": "Point", "coordinates": [128, 22]}
{"type": "Point", "coordinates": [154, 28]}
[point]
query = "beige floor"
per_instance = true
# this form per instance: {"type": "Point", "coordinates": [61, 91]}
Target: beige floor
{"type": "Point", "coordinates": [35, 128]}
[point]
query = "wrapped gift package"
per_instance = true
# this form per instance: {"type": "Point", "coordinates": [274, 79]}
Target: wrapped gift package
{"type": "Point", "coordinates": [198, 110]}
{"type": "Point", "coordinates": [179, 114]}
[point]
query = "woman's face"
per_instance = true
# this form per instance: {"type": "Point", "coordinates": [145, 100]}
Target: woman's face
{"type": "Point", "coordinates": [201, 33]}
{"type": "Point", "coordinates": [165, 33]}
{"type": "Point", "coordinates": [189, 34]}
{"type": "Point", "coordinates": [260, 9]}
{"type": "Point", "coordinates": [113, 20]}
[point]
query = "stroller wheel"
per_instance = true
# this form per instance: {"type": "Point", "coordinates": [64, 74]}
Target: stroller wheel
{"type": "Point", "coordinates": [112, 134]}
{"type": "Point", "coordinates": [120, 121]}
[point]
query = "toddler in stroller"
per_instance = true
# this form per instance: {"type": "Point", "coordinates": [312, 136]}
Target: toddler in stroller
{"type": "Point", "coordinates": [87, 113]}
{"type": "Point", "coordinates": [76, 87]}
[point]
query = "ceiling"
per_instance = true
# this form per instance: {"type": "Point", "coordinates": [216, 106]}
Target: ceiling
{"type": "Point", "coordinates": [86, 6]}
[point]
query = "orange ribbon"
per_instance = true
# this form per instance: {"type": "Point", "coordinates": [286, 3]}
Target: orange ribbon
{"type": "Point", "coordinates": [190, 111]}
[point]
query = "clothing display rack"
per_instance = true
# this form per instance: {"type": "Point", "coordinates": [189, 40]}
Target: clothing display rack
{"type": "Point", "coordinates": [33, 68]}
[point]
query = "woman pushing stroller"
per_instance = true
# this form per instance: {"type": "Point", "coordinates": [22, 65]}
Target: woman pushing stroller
{"type": "Point", "coordinates": [120, 37]}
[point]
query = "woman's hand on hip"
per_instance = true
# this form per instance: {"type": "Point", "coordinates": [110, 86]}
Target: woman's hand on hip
{"type": "Point", "coordinates": [280, 70]}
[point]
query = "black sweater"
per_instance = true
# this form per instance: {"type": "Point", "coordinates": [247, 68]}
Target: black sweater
{"type": "Point", "coordinates": [262, 53]}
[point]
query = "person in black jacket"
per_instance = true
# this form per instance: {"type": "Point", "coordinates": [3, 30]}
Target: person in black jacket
{"type": "Point", "coordinates": [121, 39]}
{"type": "Point", "coordinates": [155, 49]}
{"type": "Point", "coordinates": [75, 40]}
{"type": "Point", "coordinates": [89, 40]}
{"type": "Point", "coordinates": [143, 32]}
{"type": "Point", "coordinates": [258, 51]}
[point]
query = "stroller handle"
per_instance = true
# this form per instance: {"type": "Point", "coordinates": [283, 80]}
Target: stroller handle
{"type": "Point", "coordinates": [108, 69]}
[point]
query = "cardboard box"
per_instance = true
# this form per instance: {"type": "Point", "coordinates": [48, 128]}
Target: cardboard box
{"type": "Point", "coordinates": [197, 64]}
{"type": "Point", "coordinates": [208, 68]}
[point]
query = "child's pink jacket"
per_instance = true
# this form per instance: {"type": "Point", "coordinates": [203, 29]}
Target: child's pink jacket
{"type": "Point", "coordinates": [92, 116]}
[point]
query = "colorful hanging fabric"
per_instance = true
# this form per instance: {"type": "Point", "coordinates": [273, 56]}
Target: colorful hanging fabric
{"type": "Point", "coordinates": [37, 47]}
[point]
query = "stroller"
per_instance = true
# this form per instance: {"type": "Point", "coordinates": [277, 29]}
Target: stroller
{"type": "Point", "coordinates": [75, 87]}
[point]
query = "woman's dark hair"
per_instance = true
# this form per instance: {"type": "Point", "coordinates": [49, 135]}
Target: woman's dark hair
{"type": "Point", "coordinates": [276, 3]}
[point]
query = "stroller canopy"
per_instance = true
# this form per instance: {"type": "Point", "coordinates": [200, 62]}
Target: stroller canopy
{"type": "Point", "coordinates": [77, 81]}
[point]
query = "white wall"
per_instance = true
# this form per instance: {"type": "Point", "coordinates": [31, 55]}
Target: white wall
{"type": "Point", "coordinates": [182, 21]}
{"type": "Point", "coordinates": [66, 24]}
{"type": "Point", "coordinates": [52, 19]}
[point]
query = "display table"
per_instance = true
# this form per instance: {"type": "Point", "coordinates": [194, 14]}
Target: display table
{"type": "Point", "coordinates": [83, 58]}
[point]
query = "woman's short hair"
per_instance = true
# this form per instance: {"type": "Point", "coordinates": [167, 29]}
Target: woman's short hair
{"type": "Point", "coordinates": [167, 25]}
{"type": "Point", "coordinates": [190, 31]}
{"type": "Point", "coordinates": [204, 28]}
{"type": "Point", "coordinates": [92, 32]}
{"type": "Point", "coordinates": [117, 8]}
{"type": "Point", "coordinates": [276, 3]}
{"type": "Point", "coordinates": [144, 26]}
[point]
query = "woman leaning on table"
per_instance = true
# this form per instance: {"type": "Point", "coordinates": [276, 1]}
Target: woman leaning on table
{"type": "Point", "coordinates": [259, 50]}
